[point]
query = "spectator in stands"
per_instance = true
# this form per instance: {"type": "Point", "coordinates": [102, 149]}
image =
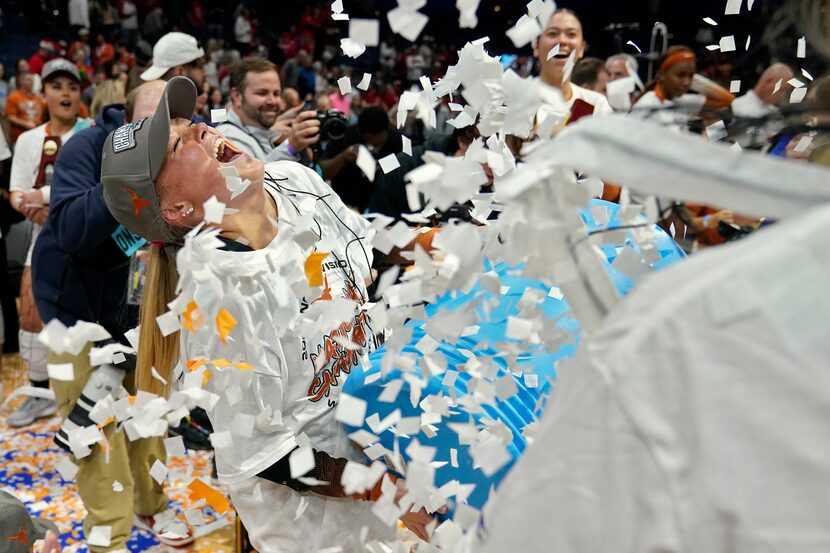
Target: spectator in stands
{"type": "Point", "coordinates": [621, 65]}
{"type": "Point", "coordinates": [768, 92]}
{"type": "Point", "coordinates": [104, 51]}
{"type": "Point", "coordinates": [374, 131]}
{"type": "Point", "coordinates": [256, 104]}
{"type": "Point", "coordinates": [22, 66]}
{"type": "Point", "coordinates": [291, 98]}
{"type": "Point", "coordinates": [215, 99]}
{"type": "Point", "coordinates": [4, 90]}
{"type": "Point", "coordinates": [45, 52]}
{"type": "Point", "coordinates": [128, 13]}
{"type": "Point", "coordinates": [110, 91]}
{"type": "Point", "coordinates": [177, 54]}
{"type": "Point", "coordinates": [243, 31]}
{"type": "Point", "coordinates": [590, 73]}
{"type": "Point", "coordinates": [24, 107]}
{"type": "Point", "coordinates": [80, 49]}
{"type": "Point", "coordinates": [32, 170]}
{"type": "Point", "coordinates": [100, 75]}
{"type": "Point", "coordinates": [563, 30]}
{"type": "Point", "coordinates": [81, 273]}
{"type": "Point", "coordinates": [123, 56]}
{"type": "Point", "coordinates": [389, 193]}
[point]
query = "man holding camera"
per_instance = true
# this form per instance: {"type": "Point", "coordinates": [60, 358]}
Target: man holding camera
{"type": "Point", "coordinates": [255, 123]}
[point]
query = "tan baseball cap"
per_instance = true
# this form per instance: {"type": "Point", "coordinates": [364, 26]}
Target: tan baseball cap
{"type": "Point", "coordinates": [134, 154]}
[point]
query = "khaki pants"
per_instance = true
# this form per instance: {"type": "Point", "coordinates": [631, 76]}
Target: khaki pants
{"type": "Point", "coordinates": [129, 463]}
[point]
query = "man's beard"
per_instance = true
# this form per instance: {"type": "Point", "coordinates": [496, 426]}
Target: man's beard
{"type": "Point", "coordinates": [263, 118]}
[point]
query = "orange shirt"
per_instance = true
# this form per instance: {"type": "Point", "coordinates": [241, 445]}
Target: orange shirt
{"type": "Point", "coordinates": [28, 107]}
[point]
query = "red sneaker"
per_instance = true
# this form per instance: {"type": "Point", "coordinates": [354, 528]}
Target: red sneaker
{"type": "Point", "coordinates": [166, 527]}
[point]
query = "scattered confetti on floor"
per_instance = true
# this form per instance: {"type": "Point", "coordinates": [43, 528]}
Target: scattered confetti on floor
{"type": "Point", "coordinates": [28, 460]}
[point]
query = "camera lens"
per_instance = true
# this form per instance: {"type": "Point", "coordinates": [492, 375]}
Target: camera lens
{"type": "Point", "coordinates": [335, 128]}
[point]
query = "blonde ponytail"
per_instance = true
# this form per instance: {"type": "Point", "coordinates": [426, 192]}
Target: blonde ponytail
{"type": "Point", "coordinates": [154, 349]}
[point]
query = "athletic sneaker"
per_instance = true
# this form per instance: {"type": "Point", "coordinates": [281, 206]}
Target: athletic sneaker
{"type": "Point", "coordinates": [31, 409]}
{"type": "Point", "coordinates": [166, 527]}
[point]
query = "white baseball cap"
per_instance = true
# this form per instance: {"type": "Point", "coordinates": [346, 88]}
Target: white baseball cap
{"type": "Point", "coordinates": [172, 50]}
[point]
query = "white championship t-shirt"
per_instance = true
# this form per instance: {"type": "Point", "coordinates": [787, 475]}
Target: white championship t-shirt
{"type": "Point", "coordinates": [298, 366]}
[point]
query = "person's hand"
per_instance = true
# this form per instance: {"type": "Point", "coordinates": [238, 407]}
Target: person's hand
{"type": "Point", "coordinates": [38, 215]}
{"type": "Point", "coordinates": [349, 155]}
{"type": "Point", "coordinates": [33, 198]}
{"type": "Point", "coordinates": [284, 122]}
{"type": "Point", "coordinates": [417, 522]}
{"type": "Point", "coordinates": [305, 131]}
{"type": "Point", "coordinates": [725, 215]}
{"type": "Point", "coordinates": [51, 543]}
{"type": "Point", "coordinates": [16, 199]}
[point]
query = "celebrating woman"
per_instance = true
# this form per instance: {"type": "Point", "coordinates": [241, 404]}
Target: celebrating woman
{"type": "Point", "coordinates": [285, 292]}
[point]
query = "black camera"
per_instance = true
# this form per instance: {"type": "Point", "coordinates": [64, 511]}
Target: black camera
{"type": "Point", "coordinates": [332, 124]}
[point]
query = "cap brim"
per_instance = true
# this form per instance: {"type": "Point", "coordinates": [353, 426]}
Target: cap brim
{"type": "Point", "coordinates": [61, 72]}
{"type": "Point", "coordinates": [154, 72]}
{"type": "Point", "coordinates": [178, 101]}
{"type": "Point", "coordinates": [42, 526]}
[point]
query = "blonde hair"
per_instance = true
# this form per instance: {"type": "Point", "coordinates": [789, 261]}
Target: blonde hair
{"type": "Point", "coordinates": [154, 349]}
{"type": "Point", "coordinates": [108, 92]}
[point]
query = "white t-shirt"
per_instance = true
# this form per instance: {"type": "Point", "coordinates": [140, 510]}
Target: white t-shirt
{"type": "Point", "coordinates": [750, 105]}
{"type": "Point", "coordinates": [299, 366]}
{"type": "Point", "coordinates": [696, 418]}
{"type": "Point", "coordinates": [26, 164]}
{"type": "Point", "coordinates": [554, 105]}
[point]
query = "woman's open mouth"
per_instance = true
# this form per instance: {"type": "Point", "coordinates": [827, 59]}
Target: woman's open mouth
{"type": "Point", "coordinates": [224, 151]}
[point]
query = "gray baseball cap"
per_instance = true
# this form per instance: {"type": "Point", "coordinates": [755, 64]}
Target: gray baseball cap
{"type": "Point", "coordinates": [57, 67]}
{"type": "Point", "coordinates": [18, 530]}
{"type": "Point", "coordinates": [132, 158]}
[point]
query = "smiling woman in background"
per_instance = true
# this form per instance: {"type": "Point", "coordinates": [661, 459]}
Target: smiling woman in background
{"type": "Point", "coordinates": [564, 30]}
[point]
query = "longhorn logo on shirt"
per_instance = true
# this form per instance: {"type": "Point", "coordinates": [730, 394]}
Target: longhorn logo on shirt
{"type": "Point", "coordinates": [338, 360]}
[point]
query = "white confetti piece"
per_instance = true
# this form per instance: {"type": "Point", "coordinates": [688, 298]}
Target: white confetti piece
{"type": "Point", "coordinates": [710, 21]}
{"type": "Point", "coordinates": [159, 472]}
{"type": "Point", "coordinates": [735, 87]}
{"type": "Point", "coordinates": [551, 53]}
{"type": "Point", "coordinates": [117, 486]}
{"type": "Point", "coordinates": [345, 85]}
{"type": "Point", "coordinates": [524, 31]}
{"type": "Point", "coordinates": [733, 7]}
{"type": "Point", "coordinates": [365, 31]}
{"type": "Point", "coordinates": [218, 115]}
{"type": "Point", "coordinates": [301, 461]}
{"type": "Point", "coordinates": [214, 210]}
{"type": "Point", "coordinates": [407, 145]}
{"type": "Point", "coordinates": [221, 439]}
{"type": "Point", "coordinates": [801, 50]}
{"type": "Point", "coordinates": [535, 7]}
{"type": "Point", "coordinates": [67, 469]}
{"type": "Point", "coordinates": [337, 6]}
{"type": "Point", "coordinates": [631, 43]}
{"type": "Point", "coordinates": [748, 39]}
{"type": "Point", "coordinates": [795, 83]}
{"type": "Point", "coordinates": [803, 143]}
{"type": "Point", "coordinates": [174, 445]}
{"type": "Point", "coordinates": [168, 323]}
{"type": "Point", "coordinates": [64, 372]}
{"type": "Point", "coordinates": [778, 85]}
{"type": "Point", "coordinates": [366, 162]}
{"type": "Point", "coordinates": [727, 44]}
{"type": "Point", "coordinates": [806, 74]}
{"type": "Point", "coordinates": [365, 81]}
{"type": "Point", "coordinates": [350, 410]}
{"type": "Point", "coordinates": [351, 48]}
{"type": "Point", "coordinates": [100, 536]}
{"type": "Point", "coordinates": [798, 95]}
{"type": "Point", "coordinates": [389, 163]}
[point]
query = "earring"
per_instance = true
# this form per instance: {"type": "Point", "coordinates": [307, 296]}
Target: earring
{"type": "Point", "coordinates": [188, 212]}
